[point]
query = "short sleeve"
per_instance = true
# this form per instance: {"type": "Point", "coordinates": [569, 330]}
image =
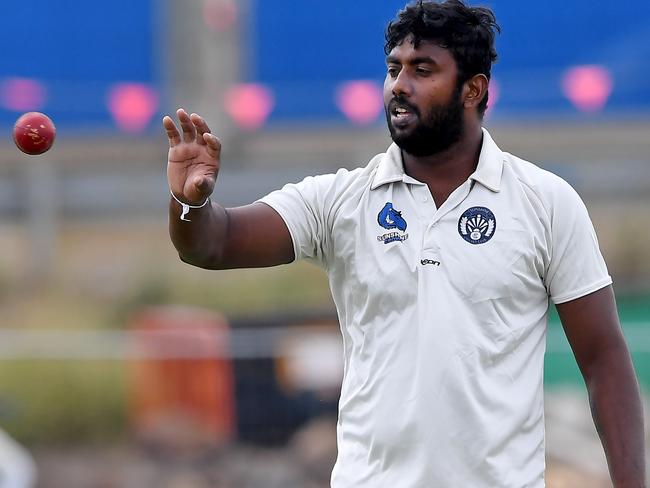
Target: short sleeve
{"type": "Point", "coordinates": [576, 266]}
{"type": "Point", "coordinates": [304, 208]}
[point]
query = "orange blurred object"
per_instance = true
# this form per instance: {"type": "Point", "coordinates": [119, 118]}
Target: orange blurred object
{"type": "Point", "coordinates": [181, 382]}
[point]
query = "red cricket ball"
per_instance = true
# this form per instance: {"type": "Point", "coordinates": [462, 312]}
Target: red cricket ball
{"type": "Point", "coordinates": [34, 133]}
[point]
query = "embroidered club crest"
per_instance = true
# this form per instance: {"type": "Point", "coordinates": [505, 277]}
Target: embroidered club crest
{"type": "Point", "coordinates": [390, 218]}
{"type": "Point", "coordinates": [477, 225]}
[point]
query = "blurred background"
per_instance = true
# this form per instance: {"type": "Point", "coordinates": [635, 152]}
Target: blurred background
{"type": "Point", "coordinates": [121, 366]}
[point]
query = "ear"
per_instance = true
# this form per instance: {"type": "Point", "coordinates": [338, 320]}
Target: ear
{"type": "Point", "coordinates": [475, 90]}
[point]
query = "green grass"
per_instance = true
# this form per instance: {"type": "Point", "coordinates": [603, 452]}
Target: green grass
{"type": "Point", "coordinates": [63, 401]}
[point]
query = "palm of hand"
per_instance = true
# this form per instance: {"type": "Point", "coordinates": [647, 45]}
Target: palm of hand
{"type": "Point", "coordinates": [189, 170]}
{"type": "Point", "coordinates": [193, 160]}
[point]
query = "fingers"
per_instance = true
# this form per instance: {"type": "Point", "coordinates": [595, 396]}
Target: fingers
{"type": "Point", "coordinates": [213, 145]}
{"type": "Point", "coordinates": [189, 131]}
{"type": "Point", "coordinates": [172, 132]}
{"type": "Point", "coordinates": [205, 137]}
{"type": "Point", "coordinates": [194, 129]}
{"type": "Point", "coordinates": [201, 127]}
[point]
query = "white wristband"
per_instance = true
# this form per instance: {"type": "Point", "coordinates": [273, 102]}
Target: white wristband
{"type": "Point", "coordinates": [186, 207]}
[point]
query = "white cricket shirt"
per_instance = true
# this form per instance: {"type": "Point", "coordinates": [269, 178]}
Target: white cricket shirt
{"type": "Point", "coordinates": [443, 313]}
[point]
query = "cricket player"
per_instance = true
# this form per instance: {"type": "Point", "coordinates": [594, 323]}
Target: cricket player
{"type": "Point", "coordinates": [443, 255]}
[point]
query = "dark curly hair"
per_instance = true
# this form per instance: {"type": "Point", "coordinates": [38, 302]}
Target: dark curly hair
{"type": "Point", "coordinates": [467, 32]}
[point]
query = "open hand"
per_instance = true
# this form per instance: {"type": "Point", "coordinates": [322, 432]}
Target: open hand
{"type": "Point", "coordinates": [194, 158]}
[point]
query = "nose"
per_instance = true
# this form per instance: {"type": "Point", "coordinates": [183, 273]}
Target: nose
{"type": "Point", "coordinates": [402, 86]}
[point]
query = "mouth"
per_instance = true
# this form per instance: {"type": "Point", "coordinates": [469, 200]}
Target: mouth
{"type": "Point", "coordinates": [402, 115]}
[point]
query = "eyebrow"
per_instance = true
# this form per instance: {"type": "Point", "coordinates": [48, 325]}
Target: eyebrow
{"type": "Point", "coordinates": [412, 61]}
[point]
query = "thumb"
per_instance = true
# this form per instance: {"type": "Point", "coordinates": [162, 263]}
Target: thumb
{"type": "Point", "coordinates": [197, 189]}
{"type": "Point", "coordinates": [203, 185]}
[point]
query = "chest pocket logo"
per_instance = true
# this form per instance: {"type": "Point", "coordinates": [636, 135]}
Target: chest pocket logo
{"type": "Point", "coordinates": [477, 225]}
{"type": "Point", "coordinates": [389, 218]}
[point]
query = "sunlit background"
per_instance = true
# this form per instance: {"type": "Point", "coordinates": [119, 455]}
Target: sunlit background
{"type": "Point", "coordinates": [121, 366]}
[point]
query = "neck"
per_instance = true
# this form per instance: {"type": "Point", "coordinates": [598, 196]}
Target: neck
{"type": "Point", "coordinates": [445, 171]}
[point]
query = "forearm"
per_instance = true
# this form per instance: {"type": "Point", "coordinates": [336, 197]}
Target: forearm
{"type": "Point", "coordinates": [200, 240]}
{"type": "Point", "coordinates": [618, 415]}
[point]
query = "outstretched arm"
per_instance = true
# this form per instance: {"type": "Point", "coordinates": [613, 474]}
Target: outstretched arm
{"type": "Point", "coordinates": [593, 330]}
{"type": "Point", "coordinates": [211, 236]}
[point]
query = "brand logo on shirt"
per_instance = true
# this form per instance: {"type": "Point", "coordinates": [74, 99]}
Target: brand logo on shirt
{"type": "Point", "coordinates": [390, 218]}
{"type": "Point", "coordinates": [477, 225]}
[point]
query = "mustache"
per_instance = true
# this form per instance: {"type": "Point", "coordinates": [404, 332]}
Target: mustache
{"type": "Point", "coordinates": [401, 102]}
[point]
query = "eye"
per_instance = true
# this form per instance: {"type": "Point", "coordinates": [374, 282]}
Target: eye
{"type": "Point", "coordinates": [422, 71]}
{"type": "Point", "coordinates": [392, 71]}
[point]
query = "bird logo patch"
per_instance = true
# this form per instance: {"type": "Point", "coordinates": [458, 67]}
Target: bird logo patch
{"type": "Point", "coordinates": [477, 225]}
{"type": "Point", "coordinates": [390, 218]}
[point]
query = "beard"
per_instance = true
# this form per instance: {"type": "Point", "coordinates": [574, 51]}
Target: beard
{"type": "Point", "coordinates": [441, 127]}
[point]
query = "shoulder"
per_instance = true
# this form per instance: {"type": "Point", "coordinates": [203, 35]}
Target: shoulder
{"type": "Point", "coordinates": [345, 180]}
{"type": "Point", "coordinates": [324, 194]}
{"type": "Point", "coordinates": [361, 175]}
{"type": "Point", "coordinates": [545, 186]}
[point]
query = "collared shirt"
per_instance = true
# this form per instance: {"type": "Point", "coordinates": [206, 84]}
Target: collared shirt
{"type": "Point", "coordinates": [443, 313]}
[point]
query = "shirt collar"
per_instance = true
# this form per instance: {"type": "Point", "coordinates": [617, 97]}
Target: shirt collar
{"type": "Point", "coordinates": [490, 164]}
{"type": "Point", "coordinates": [390, 168]}
{"type": "Point", "coordinates": [488, 170]}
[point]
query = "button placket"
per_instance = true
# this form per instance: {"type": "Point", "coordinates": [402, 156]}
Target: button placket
{"type": "Point", "coordinates": [425, 205]}
{"type": "Point", "coordinates": [430, 242]}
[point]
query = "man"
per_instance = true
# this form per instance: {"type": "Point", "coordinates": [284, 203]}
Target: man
{"type": "Point", "coordinates": [441, 254]}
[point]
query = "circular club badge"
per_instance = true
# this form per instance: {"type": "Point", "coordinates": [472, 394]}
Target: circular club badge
{"type": "Point", "coordinates": [477, 225]}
